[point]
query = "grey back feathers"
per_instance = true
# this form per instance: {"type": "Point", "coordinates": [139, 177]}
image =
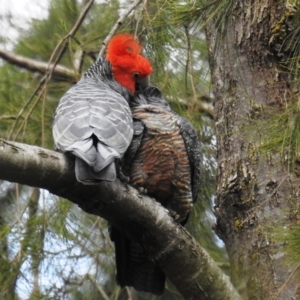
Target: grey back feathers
{"type": "Point", "coordinates": [94, 122]}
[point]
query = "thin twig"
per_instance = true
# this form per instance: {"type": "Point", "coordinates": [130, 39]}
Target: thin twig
{"type": "Point", "coordinates": [117, 25]}
{"type": "Point", "coordinates": [7, 117]}
{"type": "Point", "coordinates": [23, 125]}
{"type": "Point", "coordinates": [140, 17]}
{"type": "Point", "coordinates": [187, 64]}
{"type": "Point", "coordinates": [128, 292]}
{"type": "Point", "coordinates": [286, 282]}
{"type": "Point", "coordinates": [98, 287]}
{"type": "Point", "coordinates": [25, 106]}
{"type": "Point", "coordinates": [65, 41]}
{"type": "Point", "coordinates": [256, 208]}
{"type": "Point", "coordinates": [43, 119]}
{"type": "Point", "coordinates": [58, 52]}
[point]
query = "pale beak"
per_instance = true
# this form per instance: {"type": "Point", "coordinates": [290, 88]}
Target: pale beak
{"type": "Point", "coordinates": [144, 82]}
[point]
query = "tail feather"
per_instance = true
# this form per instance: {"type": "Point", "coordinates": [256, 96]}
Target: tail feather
{"type": "Point", "coordinates": [134, 267]}
{"type": "Point", "coordinates": [105, 156]}
{"type": "Point", "coordinates": [84, 149]}
{"type": "Point", "coordinates": [95, 161]}
{"type": "Point", "coordinates": [87, 175]}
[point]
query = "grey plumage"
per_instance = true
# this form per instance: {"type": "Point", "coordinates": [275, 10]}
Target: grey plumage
{"type": "Point", "coordinates": [94, 122]}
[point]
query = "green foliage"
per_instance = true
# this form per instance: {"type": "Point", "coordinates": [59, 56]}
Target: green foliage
{"type": "Point", "coordinates": [62, 17]}
{"type": "Point", "coordinates": [199, 12]}
{"type": "Point", "coordinates": [64, 252]}
{"type": "Point", "coordinates": [279, 133]}
{"type": "Point", "coordinates": [291, 237]}
{"type": "Point", "coordinates": [276, 129]}
{"type": "Point", "coordinates": [285, 39]}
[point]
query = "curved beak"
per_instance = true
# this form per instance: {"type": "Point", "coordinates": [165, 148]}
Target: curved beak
{"type": "Point", "coordinates": [144, 82]}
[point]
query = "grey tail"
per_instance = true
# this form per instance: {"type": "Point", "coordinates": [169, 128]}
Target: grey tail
{"type": "Point", "coordinates": [87, 175]}
{"type": "Point", "coordinates": [134, 267]}
{"type": "Point", "coordinates": [95, 162]}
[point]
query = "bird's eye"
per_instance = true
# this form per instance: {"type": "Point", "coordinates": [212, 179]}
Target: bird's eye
{"type": "Point", "coordinates": [136, 75]}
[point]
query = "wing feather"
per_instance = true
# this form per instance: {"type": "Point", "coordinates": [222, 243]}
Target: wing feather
{"type": "Point", "coordinates": [94, 122]}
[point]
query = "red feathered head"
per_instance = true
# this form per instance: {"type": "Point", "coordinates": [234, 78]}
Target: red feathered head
{"type": "Point", "coordinates": [128, 65]}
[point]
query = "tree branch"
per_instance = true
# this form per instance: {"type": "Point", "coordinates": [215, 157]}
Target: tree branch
{"type": "Point", "coordinates": [36, 66]}
{"type": "Point", "coordinates": [167, 243]}
{"type": "Point", "coordinates": [61, 47]}
{"type": "Point", "coordinates": [56, 55]}
{"type": "Point", "coordinates": [117, 25]}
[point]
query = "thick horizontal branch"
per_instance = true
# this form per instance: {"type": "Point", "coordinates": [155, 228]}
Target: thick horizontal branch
{"type": "Point", "coordinates": [37, 66]}
{"type": "Point", "coordinates": [184, 261]}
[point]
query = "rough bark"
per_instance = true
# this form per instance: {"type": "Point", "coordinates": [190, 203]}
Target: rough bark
{"type": "Point", "coordinates": [185, 263]}
{"type": "Point", "coordinates": [255, 193]}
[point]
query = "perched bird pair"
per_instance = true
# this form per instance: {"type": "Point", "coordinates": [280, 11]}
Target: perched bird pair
{"type": "Point", "coordinates": [113, 117]}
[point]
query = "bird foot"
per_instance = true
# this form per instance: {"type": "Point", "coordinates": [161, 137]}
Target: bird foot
{"type": "Point", "coordinates": [174, 215]}
{"type": "Point", "coordinates": [121, 175]}
{"type": "Point", "coordinates": [142, 190]}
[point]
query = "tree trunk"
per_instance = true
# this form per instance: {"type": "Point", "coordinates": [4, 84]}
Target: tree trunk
{"type": "Point", "coordinates": [255, 192]}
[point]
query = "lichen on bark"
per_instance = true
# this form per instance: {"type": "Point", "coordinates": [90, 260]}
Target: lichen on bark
{"type": "Point", "coordinates": [248, 79]}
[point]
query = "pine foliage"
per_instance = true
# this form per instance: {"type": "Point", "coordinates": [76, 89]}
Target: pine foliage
{"type": "Point", "coordinates": [50, 249]}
